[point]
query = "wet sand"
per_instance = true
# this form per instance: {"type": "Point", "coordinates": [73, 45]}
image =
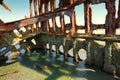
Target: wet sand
{"type": "Point", "coordinates": [49, 67]}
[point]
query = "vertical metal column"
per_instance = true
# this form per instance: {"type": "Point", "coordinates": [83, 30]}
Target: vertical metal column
{"type": "Point", "coordinates": [88, 46]}
{"type": "Point", "coordinates": [53, 6]}
{"type": "Point", "coordinates": [36, 12]}
{"type": "Point", "coordinates": [31, 14]}
{"type": "Point", "coordinates": [110, 22]}
{"type": "Point", "coordinates": [72, 18]}
{"type": "Point", "coordinates": [47, 25]}
{"type": "Point", "coordinates": [119, 9]}
{"type": "Point", "coordinates": [108, 67]}
{"type": "Point", "coordinates": [62, 21]}
{"type": "Point", "coordinates": [118, 15]}
{"type": "Point", "coordinates": [87, 17]}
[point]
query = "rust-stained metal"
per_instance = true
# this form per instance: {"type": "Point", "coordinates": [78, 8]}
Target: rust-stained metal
{"type": "Point", "coordinates": [69, 40]}
{"type": "Point", "coordinates": [31, 14]}
{"type": "Point", "coordinates": [118, 19]}
{"type": "Point", "coordinates": [87, 11]}
{"type": "Point", "coordinates": [4, 5]}
{"type": "Point", "coordinates": [110, 22]}
{"type": "Point", "coordinates": [65, 8]}
{"type": "Point", "coordinates": [73, 24]}
{"type": "Point", "coordinates": [98, 1]}
{"type": "Point", "coordinates": [119, 10]}
{"type": "Point", "coordinates": [36, 13]}
{"type": "Point", "coordinates": [53, 7]}
{"type": "Point", "coordinates": [47, 25]}
{"type": "Point", "coordinates": [1, 22]}
{"type": "Point", "coordinates": [62, 23]}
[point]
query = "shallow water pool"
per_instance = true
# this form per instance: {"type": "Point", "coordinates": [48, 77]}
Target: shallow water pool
{"type": "Point", "coordinates": [46, 66]}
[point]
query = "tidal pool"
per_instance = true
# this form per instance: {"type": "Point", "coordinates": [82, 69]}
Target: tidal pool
{"type": "Point", "coordinates": [47, 66]}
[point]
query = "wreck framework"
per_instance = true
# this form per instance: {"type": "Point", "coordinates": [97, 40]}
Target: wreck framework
{"type": "Point", "coordinates": [104, 56]}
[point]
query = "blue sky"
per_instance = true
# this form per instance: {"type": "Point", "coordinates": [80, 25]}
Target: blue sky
{"type": "Point", "coordinates": [20, 8]}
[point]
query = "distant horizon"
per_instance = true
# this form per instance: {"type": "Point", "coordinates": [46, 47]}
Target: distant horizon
{"type": "Point", "coordinates": [20, 9]}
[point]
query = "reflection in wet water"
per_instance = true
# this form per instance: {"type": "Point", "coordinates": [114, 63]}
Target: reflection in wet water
{"type": "Point", "coordinates": [47, 54]}
{"type": "Point", "coordinates": [81, 65]}
{"type": "Point", "coordinates": [61, 58]}
{"type": "Point", "coordinates": [17, 46]}
{"type": "Point", "coordinates": [4, 48]}
{"type": "Point", "coordinates": [53, 61]}
{"type": "Point", "coordinates": [10, 60]}
{"type": "Point", "coordinates": [22, 51]}
{"type": "Point", "coordinates": [8, 53]}
{"type": "Point", "coordinates": [57, 68]}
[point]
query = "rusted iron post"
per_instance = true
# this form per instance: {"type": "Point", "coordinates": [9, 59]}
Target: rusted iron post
{"type": "Point", "coordinates": [88, 46]}
{"type": "Point", "coordinates": [57, 49]}
{"type": "Point", "coordinates": [47, 25]}
{"type": "Point", "coordinates": [40, 3]}
{"type": "Point", "coordinates": [108, 67]}
{"type": "Point", "coordinates": [35, 8]}
{"type": "Point", "coordinates": [36, 13]}
{"type": "Point", "coordinates": [62, 21]}
{"type": "Point", "coordinates": [50, 47]}
{"type": "Point", "coordinates": [110, 22]}
{"type": "Point", "coordinates": [4, 5]}
{"type": "Point", "coordinates": [65, 52]}
{"type": "Point", "coordinates": [31, 15]}
{"type": "Point", "coordinates": [28, 50]}
{"type": "Point", "coordinates": [53, 6]}
{"type": "Point", "coordinates": [75, 51]}
{"type": "Point", "coordinates": [119, 10]}
{"type": "Point", "coordinates": [87, 17]}
{"type": "Point", "coordinates": [46, 7]}
{"type": "Point", "coordinates": [72, 22]}
{"type": "Point", "coordinates": [118, 21]}
{"type": "Point", "coordinates": [39, 9]}
{"type": "Point", "coordinates": [40, 13]}
{"type": "Point", "coordinates": [72, 18]}
{"type": "Point", "coordinates": [71, 1]}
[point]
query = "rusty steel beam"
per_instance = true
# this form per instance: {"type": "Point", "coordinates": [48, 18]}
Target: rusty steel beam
{"type": "Point", "coordinates": [97, 26]}
{"type": "Point", "coordinates": [36, 13]}
{"type": "Point", "coordinates": [35, 8]}
{"type": "Point", "coordinates": [31, 15]}
{"type": "Point", "coordinates": [110, 22]}
{"type": "Point", "coordinates": [72, 18]}
{"type": "Point", "coordinates": [4, 5]}
{"type": "Point", "coordinates": [1, 22]}
{"type": "Point", "coordinates": [97, 1]}
{"type": "Point", "coordinates": [33, 20]}
{"type": "Point", "coordinates": [73, 24]}
{"type": "Point", "coordinates": [42, 17]}
{"type": "Point", "coordinates": [118, 20]}
{"type": "Point", "coordinates": [18, 24]}
{"type": "Point", "coordinates": [75, 3]}
{"type": "Point", "coordinates": [62, 23]}
{"type": "Point", "coordinates": [53, 7]}
{"type": "Point", "coordinates": [119, 10]}
{"type": "Point", "coordinates": [47, 25]}
{"type": "Point", "coordinates": [87, 17]}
